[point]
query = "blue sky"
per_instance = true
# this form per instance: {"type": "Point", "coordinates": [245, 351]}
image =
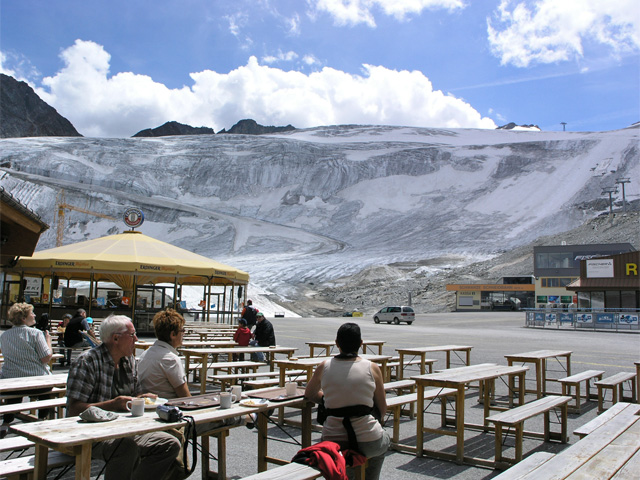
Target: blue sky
{"type": "Point", "coordinates": [116, 67]}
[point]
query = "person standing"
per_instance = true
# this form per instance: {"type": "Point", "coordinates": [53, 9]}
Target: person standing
{"type": "Point", "coordinates": [264, 336]}
{"type": "Point", "coordinates": [249, 313]}
{"type": "Point", "coordinates": [242, 337]}
{"type": "Point", "coordinates": [106, 377]}
{"type": "Point", "coordinates": [350, 421]}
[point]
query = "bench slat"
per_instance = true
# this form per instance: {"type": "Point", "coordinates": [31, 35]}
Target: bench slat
{"type": "Point", "coordinates": [21, 465]}
{"type": "Point", "coordinates": [291, 471]}
{"type": "Point", "coordinates": [35, 405]}
{"type": "Point", "coordinates": [582, 376]}
{"type": "Point", "coordinates": [15, 443]}
{"type": "Point", "coordinates": [413, 397]}
{"type": "Point", "coordinates": [528, 410]}
{"type": "Point", "coordinates": [616, 379]}
{"type": "Point", "coordinates": [621, 408]}
{"type": "Point", "coordinates": [527, 465]}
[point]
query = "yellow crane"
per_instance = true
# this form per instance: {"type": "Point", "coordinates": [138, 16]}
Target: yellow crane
{"type": "Point", "coordinates": [62, 206]}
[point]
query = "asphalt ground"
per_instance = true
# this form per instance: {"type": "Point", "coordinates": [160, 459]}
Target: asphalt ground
{"type": "Point", "coordinates": [492, 335]}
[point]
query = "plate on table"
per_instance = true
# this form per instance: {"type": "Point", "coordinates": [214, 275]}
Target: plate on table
{"type": "Point", "coordinates": [152, 403]}
{"type": "Point", "coordinates": [253, 402]}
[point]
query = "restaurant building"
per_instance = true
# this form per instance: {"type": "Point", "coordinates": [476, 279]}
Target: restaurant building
{"type": "Point", "coordinates": [557, 266]}
{"type": "Point", "coordinates": [513, 293]}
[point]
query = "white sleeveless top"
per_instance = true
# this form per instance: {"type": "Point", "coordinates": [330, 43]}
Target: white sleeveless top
{"type": "Point", "coordinates": [346, 383]}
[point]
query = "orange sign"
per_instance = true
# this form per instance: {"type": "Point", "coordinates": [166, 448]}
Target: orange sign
{"type": "Point", "coordinates": [125, 301]}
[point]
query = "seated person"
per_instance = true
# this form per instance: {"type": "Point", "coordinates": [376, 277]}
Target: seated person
{"type": "Point", "coordinates": [352, 407]}
{"type": "Point", "coordinates": [160, 368]}
{"type": "Point", "coordinates": [242, 337]}
{"type": "Point", "coordinates": [72, 336]}
{"type": "Point", "coordinates": [106, 377]}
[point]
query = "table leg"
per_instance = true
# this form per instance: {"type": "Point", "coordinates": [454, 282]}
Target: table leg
{"type": "Point", "coordinates": [448, 359]}
{"type": "Point", "coordinates": [262, 441]}
{"type": "Point", "coordinates": [423, 357]}
{"type": "Point", "coordinates": [401, 367]}
{"type": "Point", "coordinates": [542, 390]}
{"type": "Point", "coordinates": [41, 460]}
{"type": "Point", "coordinates": [203, 373]}
{"type": "Point", "coordinates": [420, 420]}
{"type": "Point", "coordinates": [222, 453]}
{"type": "Point", "coordinates": [468, 356]}
{"type": "Point", "coordinates": [204, 462]}
{"type": "Point", "coordinates": [459, 422]}
{"type": "Point", "coordinates": [306, 423]}
{"type": "Point", "coordinates": [83, 462]}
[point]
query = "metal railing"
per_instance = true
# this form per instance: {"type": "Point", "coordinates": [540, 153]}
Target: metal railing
{"type": "Point", "coordinates": [619, 320]}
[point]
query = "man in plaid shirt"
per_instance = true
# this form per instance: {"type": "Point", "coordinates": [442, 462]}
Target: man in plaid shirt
{"type": "Point", "coordinates": [106, 377]}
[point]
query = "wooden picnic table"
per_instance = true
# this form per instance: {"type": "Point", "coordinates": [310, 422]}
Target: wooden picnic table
{"type": "Point", "coordinates": [459, 379]}
{"type": "Point", "coordinates": [75, 437]}
{"type": "Point", "coordinates": [609, 451]}
{"type": "Point", "coordinates": [309, 365]}
{"type": "Point", "coordinates": [204, 353]}
{"type": "Point", "coordinates": [299, 402]}
{"type": "Point", "coordinates": [30, 383]}
{"type": "Point", "coordinates": [540, 360]}
{"type": "Point", "coordinates": [421, 352]}
{"type": "Point", "coordinates": [367, 345]}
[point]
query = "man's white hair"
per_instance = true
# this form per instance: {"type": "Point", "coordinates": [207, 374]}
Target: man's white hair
{"type": "Point", "coordinates": [113, 324]}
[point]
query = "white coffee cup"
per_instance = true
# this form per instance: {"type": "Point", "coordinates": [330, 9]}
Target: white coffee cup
{"type": "Point", "coordinates": [236, 390]}
{"type": "Point", "coordinates": [291, 388]}
{"type": "Point", "coordinates": [136, 407]}
{"type": "Point", "coordinates": [226, 399]}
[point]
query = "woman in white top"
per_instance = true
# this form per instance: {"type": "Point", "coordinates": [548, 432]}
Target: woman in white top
{"type": "Point", "coordinates": [352, 388]}
{"type": "Point", "coordinates": [26, 350]}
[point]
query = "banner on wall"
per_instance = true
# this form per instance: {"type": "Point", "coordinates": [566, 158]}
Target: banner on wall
{"type": "Point", "coordinates": [566, 318]}
{"type": "Point", "coordinates": [604, 318]}
{"type": "Point", "coordinates": [584, 318]}
{"type": "Point", "coordinates": [627, 319]}
{"type": "Point", "coordinates": [550, 318]}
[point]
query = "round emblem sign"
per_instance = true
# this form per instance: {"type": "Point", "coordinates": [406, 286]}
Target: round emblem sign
{"type": "Point", "coordinates": [133, 217]}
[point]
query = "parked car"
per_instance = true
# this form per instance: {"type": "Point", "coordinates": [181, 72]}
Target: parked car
{"type": "Point", "coordinates": [395, 315]}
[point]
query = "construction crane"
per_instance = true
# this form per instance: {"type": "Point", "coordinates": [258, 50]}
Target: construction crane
{"type": "Point", "coordinates": [62, 206]}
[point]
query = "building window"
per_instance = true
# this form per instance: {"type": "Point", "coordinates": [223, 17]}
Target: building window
{"type": "Point", "coordinates": [551, 282]}
{"type": "Point", "coordinates": [628, 299]}
{"type": "Point", "coordinates": [554, 260]}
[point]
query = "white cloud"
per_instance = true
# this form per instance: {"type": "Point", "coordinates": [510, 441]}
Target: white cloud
{"type": "Point", "coordinates": [549, 31]}
{"type": "Point", "coordinates": [280, 57]}
{"type": "Point", "coordinates": [125, 103]}
{"type": "Point", "coordinates": [21, 68]}
{"type": "Point", "coordinates": [353, 12]}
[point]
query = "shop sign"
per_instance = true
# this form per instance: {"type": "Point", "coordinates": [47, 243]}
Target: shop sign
{"type": "Point", "coordinates": [584, 318]}
{"type": "Point", "coordinates": [541, 299]}
{"type": "Point", "coordinates": [604, 318]}
{"type": "Point", "coordinates": [600, 268]}
{"type": "Point", "coordinates": [628, 319]}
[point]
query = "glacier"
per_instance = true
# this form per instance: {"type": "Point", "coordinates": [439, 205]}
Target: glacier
{"type": "Point", "coordinates": [313, 205]}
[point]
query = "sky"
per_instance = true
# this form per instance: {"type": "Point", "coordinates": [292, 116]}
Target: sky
{"type": "Point", "coordinates": [116, 67]}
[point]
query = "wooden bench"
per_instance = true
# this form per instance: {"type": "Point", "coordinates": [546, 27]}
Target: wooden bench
{"type": "Point", "coordinates": [526, 466]}
{"type": "Point", "coordinates": [515, 418]}
{"type": "Point", "coordinates": [621, 408]}
{"type": "Point", "coordinates": [395, 404]}
{"type": "Point", "coordinates": [269, 382]}
{"type": "Point", "coordinates": [14, 444]}
{"type": "Point", "coordinates": [228, 379]}
{"type": "Point", "coordinates": [575, 380]}
{"type": "Point", "coordinates": [57, 403]}
{"type": "Point", "coordinates": [20, 467]}
{"type": "Point", "coordinates": [394, 366]}
{"type": "Point", "coordinates": [616, 384]}
{"type": "Point", "coordinates": [290, 471]}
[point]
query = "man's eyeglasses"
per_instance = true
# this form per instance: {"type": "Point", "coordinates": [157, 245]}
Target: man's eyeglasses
{"type": "Point", "coordinates": [132, 335]}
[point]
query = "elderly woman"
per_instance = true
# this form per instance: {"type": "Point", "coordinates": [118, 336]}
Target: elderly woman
{"type": "Point", "coordinates": [352, 388]}
{"type": "Point", "coordinates": [26, 350]}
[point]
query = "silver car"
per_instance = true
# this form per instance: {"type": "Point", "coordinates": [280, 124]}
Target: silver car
{"type": "Point", "coordinates": [395, 315]}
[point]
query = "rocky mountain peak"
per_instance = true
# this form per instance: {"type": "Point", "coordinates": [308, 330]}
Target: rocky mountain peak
{"type": "Point", "coordinates": [174, 128]}
{"type": "Point", "coordinates": [24, 114]}
{"type": "Point", "coordinates": [251, 127]}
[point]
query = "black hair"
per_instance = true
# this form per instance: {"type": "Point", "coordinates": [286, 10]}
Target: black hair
{"type": "Point", "coordinates": [242, 321]}
{"type": "Point", "coordinates": [349, 338]}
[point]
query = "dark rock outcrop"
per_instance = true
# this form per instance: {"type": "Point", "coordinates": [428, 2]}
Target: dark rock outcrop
{"type": "Point", "coordinates": [251, 127]}
{"type": "Point", "coordinates": [512, 125]}
{"type": "Point", "coordinates": [174, 128]}
{"type": "Point", "coordinates": [24, 114]}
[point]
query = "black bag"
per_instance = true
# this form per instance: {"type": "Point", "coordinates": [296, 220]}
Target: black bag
{"type": "Point", "coordinates": [322, 412]}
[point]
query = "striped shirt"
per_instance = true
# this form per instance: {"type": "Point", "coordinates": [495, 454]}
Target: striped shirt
{"type": "Point", "coordinates": [22, 348]}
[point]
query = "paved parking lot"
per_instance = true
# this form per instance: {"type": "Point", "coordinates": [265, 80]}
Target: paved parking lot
{"type": "Point", "coordinates": [492, 336]}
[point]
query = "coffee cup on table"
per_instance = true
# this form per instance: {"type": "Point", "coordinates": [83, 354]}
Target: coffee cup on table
{"type": "Point", "coordinates": [136, 407]}
{"type": "Point", "coordinates": [236, 390]}
{"type": "Point", "coordinates": [291, 388]}
{"type": "Point", "coordinates": [226, 399]}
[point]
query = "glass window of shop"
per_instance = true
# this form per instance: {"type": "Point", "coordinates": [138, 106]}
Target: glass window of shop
{"type": "Point", "coordinates": [629, 299]}
{"type": "Point", "coordinates": [554, 260]}
{"type": "Point", "coordinates": [612, 299]}
{"type": "Point", "coordinates": [584, 300]}
{"type": "Point", "coordinates": [597, 300]}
